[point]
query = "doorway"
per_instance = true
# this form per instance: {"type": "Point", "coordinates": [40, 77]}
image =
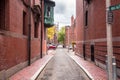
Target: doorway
{"type": "Point", "coordinates": [92, 53]}
{"type": "Point", "coordinates": [84, 52]}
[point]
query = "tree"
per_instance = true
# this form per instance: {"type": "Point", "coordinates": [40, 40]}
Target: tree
{"type": "Point", "coordinates": [51, 32]}
{"type": "Point", "coordinates": [61, 35]}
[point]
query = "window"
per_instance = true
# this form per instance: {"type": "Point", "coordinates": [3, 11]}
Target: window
{"type": "Point", "coordinates": [48, 11]}
{"type": "Point", "coordinates": [24, 24]}
{"type": "Point", "coordinates": [2, 14]}
{"type": "Point", "coordinates": [86, 18]}
{"type": "Point", "coordinates": [88, 1]}
{"type": "Point", "coordinates": [36, 30]}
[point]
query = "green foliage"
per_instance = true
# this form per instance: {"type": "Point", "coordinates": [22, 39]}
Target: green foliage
{"type": "Point", "coordinates": [61, 35]}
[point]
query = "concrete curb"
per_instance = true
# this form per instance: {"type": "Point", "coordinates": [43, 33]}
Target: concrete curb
{"type": "Point", "coordinates": [40, 70]}
{"type": "Point", "coordinates": [86, 72]}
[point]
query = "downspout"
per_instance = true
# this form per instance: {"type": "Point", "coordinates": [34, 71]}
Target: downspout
{"type": "Point", "coordinates": [42, 18]}
{"type": "Point", "coordinates": [29, 33]}
{"type": "Point", "coordinates": [84, 33]}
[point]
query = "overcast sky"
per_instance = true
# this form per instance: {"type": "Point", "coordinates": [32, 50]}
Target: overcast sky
{"type": "Point", "coordinates": [63, 11]}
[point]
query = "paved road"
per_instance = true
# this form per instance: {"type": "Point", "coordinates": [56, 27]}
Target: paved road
{"type": "Point", "coordinates": [62, 67]}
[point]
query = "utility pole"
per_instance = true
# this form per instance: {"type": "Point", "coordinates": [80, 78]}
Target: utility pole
{"type": "Point", "coordinates": [109, 42]}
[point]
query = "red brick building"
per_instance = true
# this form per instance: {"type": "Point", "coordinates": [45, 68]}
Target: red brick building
{"type": "Point", "coordinates": [70, 32]}
{"type": "Point", "coordinates": [91, 31]}
{"type": "Point", "coordinates": [66, 35]}
{"type": "Point", "coordinates": [14, 20]}
{"type": "Point", "coordinates": [55, 38]}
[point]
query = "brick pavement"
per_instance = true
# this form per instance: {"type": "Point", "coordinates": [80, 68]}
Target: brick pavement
{"type": "Point", "coordinates": [31, 72]}
{"type": "Point", "coordinates": [93, 71]}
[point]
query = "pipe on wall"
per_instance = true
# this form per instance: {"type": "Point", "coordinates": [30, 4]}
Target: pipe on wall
{"type": "Point", "coordinates": [29, 34]}
{"type": "Point", "coordinates": [42, 18]}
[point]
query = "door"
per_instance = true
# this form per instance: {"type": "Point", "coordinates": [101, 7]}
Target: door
{"type": "Point", "coordinates": [92, 53]}
{"type": "Point", "coordinates": [84, 56]}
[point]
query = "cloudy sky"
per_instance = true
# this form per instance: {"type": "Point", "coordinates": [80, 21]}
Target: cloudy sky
{"type": "Point", "coordinates": [64, 9]}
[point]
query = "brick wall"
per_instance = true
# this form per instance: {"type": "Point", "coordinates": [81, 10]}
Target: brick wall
{"type": "Point", "coordinates": [13, 43]}
{"type": "Point", "coordinates": [96, 28]}
{"type": "Point", "coordinates": [79, 26]}
{"type": "Point", "coordinates": [66, 36]}
{"type": "Point", "coordinates": [69, 35]}
{"type": "Point", "coordinates": [95, 32]}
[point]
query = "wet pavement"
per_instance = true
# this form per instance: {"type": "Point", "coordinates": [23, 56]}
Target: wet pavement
{"type": "Point", "coordinates": [62, 67]}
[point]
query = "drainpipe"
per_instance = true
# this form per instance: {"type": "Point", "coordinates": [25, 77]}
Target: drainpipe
{"type": "Point", "coordinates": [42, 18]}
{"type": "Point", "coordinates": [29, 34]}
{"type": "Point", "coordinates": [84, 33]}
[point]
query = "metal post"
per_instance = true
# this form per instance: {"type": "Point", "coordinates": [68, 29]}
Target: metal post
{"type": "Point", "coordinates": [109, 42]}
{"type": "Point", "coordinates": [107, 64]}
{"type": "Point", "coordinates": [114, 68]}
{"type": "Point", "coordinates": [29, 34]}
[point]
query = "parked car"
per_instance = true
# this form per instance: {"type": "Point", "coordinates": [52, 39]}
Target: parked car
{"type": "Point", "coordinates": [70, 47]}
{"type": "Point", "coordinates": [51, 46]}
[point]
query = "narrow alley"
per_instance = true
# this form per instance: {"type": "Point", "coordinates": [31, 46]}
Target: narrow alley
{"type": "Point", "coordinates": [59, 40]}
{"type": "Point", "coordinates": [62, 67]}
